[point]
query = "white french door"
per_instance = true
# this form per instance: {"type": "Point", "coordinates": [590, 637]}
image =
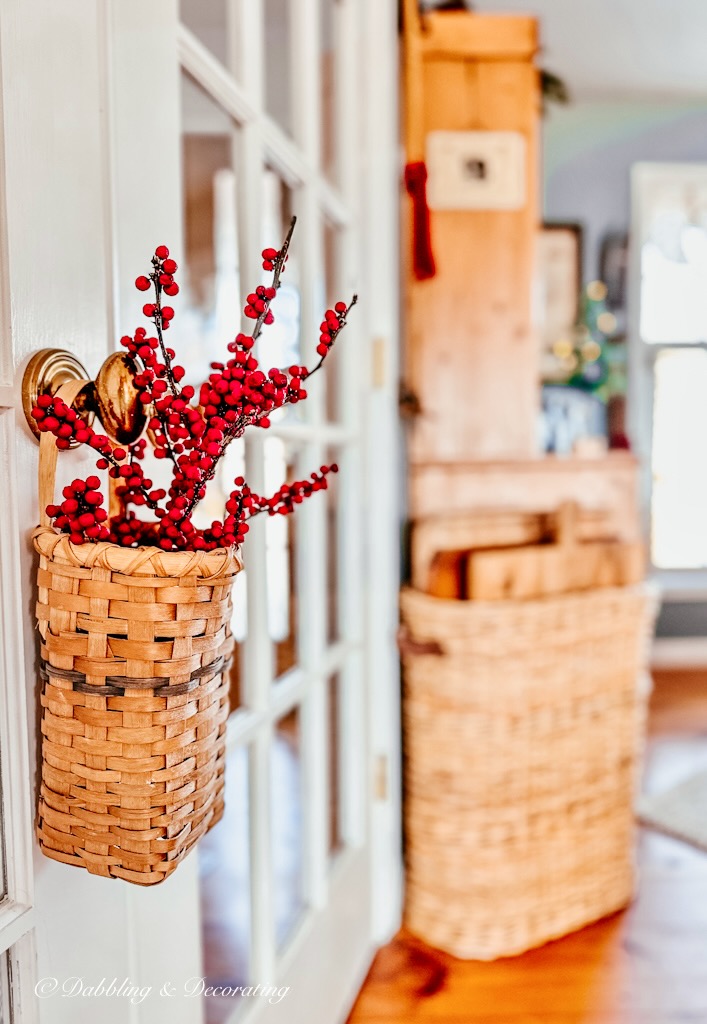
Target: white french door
{"type": "Point", "coordinates": [127, 125]}
{"type": "Point", "coordinates": [272, 127]}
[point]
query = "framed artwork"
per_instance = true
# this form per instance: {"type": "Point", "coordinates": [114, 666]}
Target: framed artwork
{"type": "Point", "coordinates": [559, 284]}
{"type": "Point", "coordinates": [613, 268]}
{"type": "Point", "coordinates": [476, 170]}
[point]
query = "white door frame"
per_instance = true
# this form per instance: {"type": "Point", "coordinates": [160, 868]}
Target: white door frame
{"type": "Point", "coordinates": [380, 259]}
{"type": "Point", "coordinates": [74, 82]}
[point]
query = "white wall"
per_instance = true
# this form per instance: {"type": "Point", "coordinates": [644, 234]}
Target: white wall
{"type": "Point", "coordinates": [589, 148]}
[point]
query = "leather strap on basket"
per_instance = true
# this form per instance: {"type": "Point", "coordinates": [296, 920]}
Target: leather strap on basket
{"type": "Point", "coordinates": [48, 453]}
{"type": "Point", "coordinates": [408, 645]}
{"type": "Point", "coordinates": [116, 686]}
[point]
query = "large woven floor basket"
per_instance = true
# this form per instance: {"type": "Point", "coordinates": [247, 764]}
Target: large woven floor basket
{"type": "Point", "coordinates": [523, 734]}
{"type": "Point", "coordinates": [135, 648]}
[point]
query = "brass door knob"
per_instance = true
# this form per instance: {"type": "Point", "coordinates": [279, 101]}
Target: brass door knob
{"type": "Point", "coordinates": [112, 397]}
{"type": "Point", "coordinates": [115, 399]}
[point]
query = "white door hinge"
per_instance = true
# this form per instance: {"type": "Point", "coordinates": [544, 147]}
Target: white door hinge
{"type": "Point", "coordinates": [378, 355]}
{"type": "Point", "coordinates": [380, 787]}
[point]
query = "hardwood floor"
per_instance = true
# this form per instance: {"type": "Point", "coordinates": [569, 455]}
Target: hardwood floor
{"type": "Point", "coordinates": [647, 965]}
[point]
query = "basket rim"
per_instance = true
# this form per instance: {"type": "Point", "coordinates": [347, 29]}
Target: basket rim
{"type": "Point", "coordinates": [141, 561]}
{"type": "Point", "coordinates": [645, 588]}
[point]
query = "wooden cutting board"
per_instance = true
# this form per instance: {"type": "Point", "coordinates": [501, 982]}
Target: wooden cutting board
{"type": "Point", "coordinates": [561, 563]}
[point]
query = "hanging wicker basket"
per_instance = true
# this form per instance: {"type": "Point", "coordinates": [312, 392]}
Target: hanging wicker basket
{"type": "Point", "coordinates": [135, 648]}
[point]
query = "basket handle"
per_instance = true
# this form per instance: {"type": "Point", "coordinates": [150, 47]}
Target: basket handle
{"type": "Point", "coordinates": [408, 645]}
{"type": "Point", "coordinates": [48, 453]}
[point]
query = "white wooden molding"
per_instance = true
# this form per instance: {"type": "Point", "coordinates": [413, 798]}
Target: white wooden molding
{"type": "Point", "coordinates": [679, 652]}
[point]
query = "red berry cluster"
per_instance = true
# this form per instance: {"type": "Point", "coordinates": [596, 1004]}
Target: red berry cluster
{"type": "Point", "coordinates": [289, 495]}
{"type": "Point", "coordinates": [269, 258]}
{"type": "Point", "coordinates": [129, 531]}
{"type": "Point", "coordinates": [237, 394]}
{"type": "Point", "coordinates": [334, 321]}
{"type": "Point", "coordinates": [80, 513]}
{"type": "Point", "coordinates": [163, 269]}
{"type": "Point", "coordinates": [258, 304]}
{"type": "Point", "coordinates": [55, 416]}
{"type": "Point", "coordinates": [243, 504]}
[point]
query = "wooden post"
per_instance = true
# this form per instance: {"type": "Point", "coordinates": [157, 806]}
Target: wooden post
{"type": "Point", "coordinates": [470, 351]}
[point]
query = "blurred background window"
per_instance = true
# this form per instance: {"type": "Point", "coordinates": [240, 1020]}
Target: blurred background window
{"type": "Point", "coordinates": [670, 261]}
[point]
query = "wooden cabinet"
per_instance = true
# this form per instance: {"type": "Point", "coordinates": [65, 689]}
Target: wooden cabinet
{"type": "Point", "coordinates": [471, 351]}
{"type": "Point", "coordinates": [471, 354]}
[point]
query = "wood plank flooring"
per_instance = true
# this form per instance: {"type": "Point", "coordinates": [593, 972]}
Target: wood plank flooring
{"type": "Point", "coordinates": [647, 965]}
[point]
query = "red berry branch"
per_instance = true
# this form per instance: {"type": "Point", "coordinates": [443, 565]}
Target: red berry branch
{"type": "Point", "coordinates": [193, 435]}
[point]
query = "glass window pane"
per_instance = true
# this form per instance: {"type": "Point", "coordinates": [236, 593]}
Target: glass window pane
{"type": "Point", "coordinates": [282, 590]}
{"type": "Point", "coordinates": [278, 61]}
{"type": "Point", "coordinates": [232, 465]}
{"type": "Point", "coordinates": [287, 825]}
{"type": "Point", "coordinates": [330, 296]}
{"type": "Point", "coordinates": [328, 81]}
{"type": "Point", "coordinates": [281, 557]}
{"type": "Point", "coordinates": [679, 498]}
{"type": "Point", "coordinates": [209, 305]}
{"type": "Point", "coordinates": [224, 878]}
{"type": "Point", "coordinates": [6, 1014]}
{"type": "Point", "coordinates": [334, 542]}
{"type": "Point", "coordinates": [280, 344]}
{"type": "Point", "coordinates": [674, 257]}
{"type": "Point", "coordinates": [239, 629]}
{"type": "Point", "coordinates": [335, 756]}
{"type": "Point", "coordinates": [3, 866]}
{"type": "Point", "coordinates": [208, 20]}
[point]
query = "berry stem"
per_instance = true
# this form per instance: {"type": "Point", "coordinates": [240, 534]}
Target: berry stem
{"type": "Point", "coordinates": [279, 265]}
{"type": "Point", "coordinates": [109, 457]}
{"type": "Point", "coordinates": [354, 300]}
{"type": "Point", "coordinates": [157, 319]}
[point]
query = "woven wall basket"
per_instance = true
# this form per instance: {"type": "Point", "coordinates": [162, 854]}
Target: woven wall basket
{"type": "Point", "coordinates": [135, 646]}
{"type": "Point", "coordinates": [524, 729]}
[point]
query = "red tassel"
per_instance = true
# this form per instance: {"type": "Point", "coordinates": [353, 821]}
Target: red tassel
{"type": "Point", "coordinates": [423, 262]}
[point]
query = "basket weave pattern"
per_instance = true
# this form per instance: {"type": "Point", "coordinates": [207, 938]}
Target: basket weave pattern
{"type": "Point", "coordinates": [134, 655]}
{"type": "Point", "coordinates": [523, 742]}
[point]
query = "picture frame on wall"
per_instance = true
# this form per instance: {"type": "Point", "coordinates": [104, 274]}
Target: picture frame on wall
{"type": "Point", "coordinates": [476, 170]}
{"type": "Point", "coordinates": [613, 268]}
